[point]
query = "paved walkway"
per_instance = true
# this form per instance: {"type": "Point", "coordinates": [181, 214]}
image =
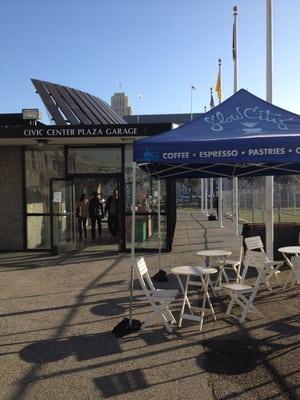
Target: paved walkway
{"type": "Point", "coordinates": [56, 317]}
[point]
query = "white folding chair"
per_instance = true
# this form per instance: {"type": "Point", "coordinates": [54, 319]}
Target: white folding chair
{"type": "Point", "coordinates": [295, 261]}
{"type": "Point", "coordinates": [243, 294]}
{"type": "Point", "coordinates": [158, 298]}
{"type": "Point", "coordinates": [235, 264]}
{"type": "Point", "coordinates": [255, 243]}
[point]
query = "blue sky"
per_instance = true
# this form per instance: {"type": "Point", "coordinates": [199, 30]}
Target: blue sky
{"type": "Point", "coordinates": [155, 47]}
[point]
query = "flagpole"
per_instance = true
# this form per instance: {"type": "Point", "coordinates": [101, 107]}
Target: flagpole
{"type": "Point", "coordinates": [269, 195]}
{"type": "Point", "coordinates": [235, 181]}
{"type": "Point", "coordinates": [138, 97]}
{"type": "Point", "coordinates": [219, 86]}
{"type": "Point", "coordinates": [212, 104]}
{"type": "Point", "coordinates": [192, 88]}
{"type": "Point", "coordinates": [211, 180]}
{"type": "Point", "coordinates": [191, 102]}
{"type": "Point", "coordinates": [132, 241]}
{"type": "Point", "coordinates": [234, 50]}
{"type": "Point", "coordinates": [220, 182]}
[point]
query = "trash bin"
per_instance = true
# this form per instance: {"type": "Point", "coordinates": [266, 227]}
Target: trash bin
{"type": "Point", "coordinates": [141, 229]}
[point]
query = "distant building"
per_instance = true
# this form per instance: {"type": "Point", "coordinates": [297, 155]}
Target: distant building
{"type": "Point", "coordinates": [120, 104]}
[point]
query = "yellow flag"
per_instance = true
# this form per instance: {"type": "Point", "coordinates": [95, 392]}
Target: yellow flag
{"type": "Point", "coordinates": [218, 88]}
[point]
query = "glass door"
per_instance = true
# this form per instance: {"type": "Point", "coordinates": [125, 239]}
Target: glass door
{"type": "Point", "coordinates": [104, 233]}
{"type": "Point", "coordinates": [62, 215]}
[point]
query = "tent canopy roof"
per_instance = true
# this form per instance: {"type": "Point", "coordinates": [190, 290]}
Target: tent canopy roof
{"type": "Point", "coordinates": [243, 136]}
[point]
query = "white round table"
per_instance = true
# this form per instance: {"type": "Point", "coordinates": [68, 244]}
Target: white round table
{"type": "Point", "coordinates": [204, 274]}
{"type": "Point", "coordinates": [287, 253]}
{"type": "Point", "coordinates": [214, 253]}
{"type": "Point", "coordinates": [221, 256]}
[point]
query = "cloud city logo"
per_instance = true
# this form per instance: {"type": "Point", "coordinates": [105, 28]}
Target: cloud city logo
{"type": "Point", "coordinates": [250, 127]}
{"type": "Point", "coordinates": [218, 120]}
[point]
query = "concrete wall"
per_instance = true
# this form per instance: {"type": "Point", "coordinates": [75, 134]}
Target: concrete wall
{"type": "Point", "coordinates": [11, 198]}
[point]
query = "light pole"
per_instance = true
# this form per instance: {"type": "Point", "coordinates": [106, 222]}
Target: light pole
{"type": "Point", "coordinates": [235, 180]}
{"type": "Point", "coordinates": [269, 219]}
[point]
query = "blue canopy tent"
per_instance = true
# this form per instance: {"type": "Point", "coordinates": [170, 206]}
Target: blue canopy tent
{"type": "Point", "coordinates": [243, 136]}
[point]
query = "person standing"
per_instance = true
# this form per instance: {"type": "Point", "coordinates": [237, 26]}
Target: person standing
{"type": "Point", "coordinates": [216, 204]}
{"type": "Point", "coordinates": [112, 209]}
{"type": "Point", "coordinates": [96, 214]}
{"type": "Point", "coordinates": [82, 213]}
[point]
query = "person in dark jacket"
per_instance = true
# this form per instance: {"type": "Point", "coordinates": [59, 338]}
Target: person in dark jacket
{"type": "Point", "coordinates": [95, 213]}
{"type": "Point", "coordinates": [216, 204]}
{"type": "Point", "coordinates": [112, 209]}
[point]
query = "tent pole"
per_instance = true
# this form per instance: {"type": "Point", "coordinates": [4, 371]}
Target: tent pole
{"type": "Point", "coordinates": [159, 224]}
{"type": "Point", "coordinates": [132, 240]}
{"type": "Point", "coordinates": [235, 211]}
{"type": "Point", "coordinates": [220, 203]}
{"type": "Point", "coordinates": [269, 221]}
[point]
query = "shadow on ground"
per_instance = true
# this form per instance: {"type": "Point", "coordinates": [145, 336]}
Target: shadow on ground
{"type": "Point", "coordinates": [83, 347]}
{"type": "Point", "coordinates": [121, 383]}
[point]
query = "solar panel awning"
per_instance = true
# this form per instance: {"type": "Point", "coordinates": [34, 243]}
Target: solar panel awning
{"type": "Point", "coordinates": [71, 106]}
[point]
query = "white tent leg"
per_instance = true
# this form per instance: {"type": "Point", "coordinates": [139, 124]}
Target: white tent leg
{"type": "Point", "coordinates": [132, 240]}
{"type": "Point", "coordinates": [235, 206]}
{"type": "Point", "coordinates": [220, 205]}
{"type": "Point", "coordinates": [269, 220]}
{"type": "Point", "coordinates": [159, 224]}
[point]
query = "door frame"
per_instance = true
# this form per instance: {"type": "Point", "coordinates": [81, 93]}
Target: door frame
{"type": "Point", "coordinates": [119, 183]}
{"type": "Point", "coordinates": [54, 249]}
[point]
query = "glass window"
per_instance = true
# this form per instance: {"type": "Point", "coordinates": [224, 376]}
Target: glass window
{"type": "Point", "coordinates": [62, 230]}
{"type": "Point", "coordinates": [146, 188]}
{"type": "Point", "coordinates": [94, 160]}
{"type": "Point", "coordinates": [38, 172]}
{"type": "Point", "coordinates": [38, 232]}
{"type": "Point", "coordinates": [146, 231]}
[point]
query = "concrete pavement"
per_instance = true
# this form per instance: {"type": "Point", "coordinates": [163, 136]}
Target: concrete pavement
{"type": "Point", "coordinates": [57, 314]}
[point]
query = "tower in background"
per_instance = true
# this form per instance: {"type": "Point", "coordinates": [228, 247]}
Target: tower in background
{"type": "Point", "coordinates": [120, 104]}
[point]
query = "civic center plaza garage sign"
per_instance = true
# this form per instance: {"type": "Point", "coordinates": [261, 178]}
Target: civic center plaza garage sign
{"type": "Point", "coordinates": [92, 131]}
{"type": "Point", "coordinates": [81, 132]}
{"type": "Point", "coordinates": [242, 129]}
